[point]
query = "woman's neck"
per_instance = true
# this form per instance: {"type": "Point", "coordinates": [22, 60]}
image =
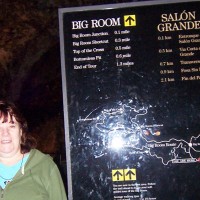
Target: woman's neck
{"type": "Point", "coordinates": [9, 161]}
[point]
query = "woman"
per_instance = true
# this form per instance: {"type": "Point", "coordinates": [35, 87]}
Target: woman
{"type": "Point", "coordinates": [25, 173]}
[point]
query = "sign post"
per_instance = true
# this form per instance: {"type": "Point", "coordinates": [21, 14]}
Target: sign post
{"type": "Point", "coordinates": [131, 79]}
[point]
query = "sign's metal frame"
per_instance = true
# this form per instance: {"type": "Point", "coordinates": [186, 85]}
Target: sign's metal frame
{"type": "Point", "coordinates": [61, 13]}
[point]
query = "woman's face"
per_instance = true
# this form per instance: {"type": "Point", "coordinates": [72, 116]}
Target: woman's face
{"type": "Point", "coordinates": [10, 138]}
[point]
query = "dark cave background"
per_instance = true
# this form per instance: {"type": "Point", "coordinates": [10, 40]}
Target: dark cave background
{"type": "Point", "coordinates": [30, 69]}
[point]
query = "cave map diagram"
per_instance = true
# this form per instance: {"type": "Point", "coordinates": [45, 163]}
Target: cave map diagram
{"type": "Point", "coordinates": [125, 127]}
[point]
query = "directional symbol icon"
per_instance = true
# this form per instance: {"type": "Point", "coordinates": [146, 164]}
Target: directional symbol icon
{"type": "Point", "coordinates": [129, 20]}
{"type": "Point", "coordinates": [130, 174]}
{"type": "Point", "coordinates": [123, 174]}
{"type": "Point", "coordinates": [118, 175]}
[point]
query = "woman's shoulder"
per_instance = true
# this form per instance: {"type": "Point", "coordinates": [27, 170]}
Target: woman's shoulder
{"type": "Point", "coordinates": [39, 158]}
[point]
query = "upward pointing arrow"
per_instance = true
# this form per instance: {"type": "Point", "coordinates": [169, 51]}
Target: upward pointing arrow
{"type": "Point", "coordinates": [118, 174]}
{"type": "Point", "coordinates": [129, 20]}
{"type": "Point", "coordinates": [130, 173]}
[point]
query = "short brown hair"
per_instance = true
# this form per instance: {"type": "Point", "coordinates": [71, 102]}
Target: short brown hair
{"type": "Point", "coordinates": [9, 109]}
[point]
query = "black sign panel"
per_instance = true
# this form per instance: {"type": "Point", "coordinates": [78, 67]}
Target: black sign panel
{"type": "Point", "coordinates": [131, 79]}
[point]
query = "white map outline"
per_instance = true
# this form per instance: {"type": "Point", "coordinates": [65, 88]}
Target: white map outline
{"type": "Point", "coordinates": [136, 128]}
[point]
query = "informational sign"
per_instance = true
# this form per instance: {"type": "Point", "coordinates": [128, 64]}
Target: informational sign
{"type": "Point", "coordinates": [131, 81]}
